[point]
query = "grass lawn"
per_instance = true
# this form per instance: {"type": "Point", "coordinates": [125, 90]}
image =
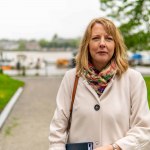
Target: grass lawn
{"type": "Point", "coordinates": [147, 79]}
{"type": "Point", "coordinates": [8, 87]}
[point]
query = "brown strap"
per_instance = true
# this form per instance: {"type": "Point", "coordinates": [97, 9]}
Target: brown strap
{"type": "Point", "coordinates": [74, 92]}
{"type": "Point", "coordinates": [72, 101]}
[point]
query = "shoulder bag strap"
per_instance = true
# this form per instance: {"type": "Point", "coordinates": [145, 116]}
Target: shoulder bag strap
{"type": "Point", "coordinates": [72, 101]}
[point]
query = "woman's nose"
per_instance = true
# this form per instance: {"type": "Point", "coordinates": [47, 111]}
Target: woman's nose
{"type": "Point", "coordinates": [102, 43]}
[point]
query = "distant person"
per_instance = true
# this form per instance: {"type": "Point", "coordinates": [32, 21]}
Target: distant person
{"type": "Point", "coordinates": [18, 65]}
{"type": "Point", "coordinates": [73, 61]}
{"type": "Point", "coordinates": [38, 64]}
{"type": "Point", "coordinates": [110, 107]}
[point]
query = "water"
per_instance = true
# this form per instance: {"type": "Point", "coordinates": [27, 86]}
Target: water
{"type": "Point", "coordinates": [33, 55]}
{"type": "Point", "coordinates": [29, 59]}
{"type": "Point", "coordinates": [50, 67]}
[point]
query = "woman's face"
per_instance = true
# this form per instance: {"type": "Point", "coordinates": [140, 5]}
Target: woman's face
{"type": "Point", "coordinates": [101, 46]}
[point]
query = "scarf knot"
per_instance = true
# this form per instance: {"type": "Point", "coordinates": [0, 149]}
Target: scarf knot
{"type": "Point", "coordinates": [99, 80]}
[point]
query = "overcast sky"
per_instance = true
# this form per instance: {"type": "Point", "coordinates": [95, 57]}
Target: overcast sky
{"type": "Point", "coordinates": [36, 19]}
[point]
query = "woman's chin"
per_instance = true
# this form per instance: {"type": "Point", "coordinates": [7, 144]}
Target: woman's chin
{"type": "Point", "coordinates": [102, 59]}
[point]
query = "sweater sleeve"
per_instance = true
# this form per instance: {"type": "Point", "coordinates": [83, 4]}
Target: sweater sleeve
{"type": "Point", "coordinates": [59, 123]}
{"type": "Point", "coordinates": [138, 136]}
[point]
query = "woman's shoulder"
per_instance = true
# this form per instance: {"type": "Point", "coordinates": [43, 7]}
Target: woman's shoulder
{"type": "Point", "coordinates": [133, 74]}
{"type": "Point", "coordinates": [133, 71]}
{"type": "Point", "coordinates": [70, 73]}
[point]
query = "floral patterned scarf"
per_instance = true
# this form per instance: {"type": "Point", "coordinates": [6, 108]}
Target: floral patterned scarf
{"type": "Point", "coordinates": [99, 80]}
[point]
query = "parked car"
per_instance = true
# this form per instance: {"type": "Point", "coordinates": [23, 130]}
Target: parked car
{"type": "Point", "coordinates": [145, 60]}
{"type": "Point", "coordinates": [139, 58]}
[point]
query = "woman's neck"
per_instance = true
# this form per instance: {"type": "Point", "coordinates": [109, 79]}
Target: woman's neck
{"type": "Point", "coordinates": [99, 67]}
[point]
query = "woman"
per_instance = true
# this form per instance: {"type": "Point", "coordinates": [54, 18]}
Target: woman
{"type": "Point", "coordinates": [110, 107]}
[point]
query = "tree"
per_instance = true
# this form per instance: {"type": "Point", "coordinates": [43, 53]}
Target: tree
{"type": "Point", "coordinates": [22, 45]}
{"type": "Point", "coordinates": [44, 43]}
{"type": "Point", "coordinates": [133, 17]}
{"type": "Point", "coordinates": [55, 37]}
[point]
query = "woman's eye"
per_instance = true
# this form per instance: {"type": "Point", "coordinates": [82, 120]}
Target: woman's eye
{"type": "Point", "coordinates": [95, 38]}
{"type": "Point", "coordinates": [109, 38]}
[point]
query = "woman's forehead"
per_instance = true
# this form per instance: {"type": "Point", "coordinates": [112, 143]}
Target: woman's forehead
{"type": "Point", "coordinates": [99, 27]}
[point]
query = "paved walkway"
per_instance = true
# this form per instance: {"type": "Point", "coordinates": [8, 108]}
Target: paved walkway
{"type": "Point", "coordinates": [27, 127]}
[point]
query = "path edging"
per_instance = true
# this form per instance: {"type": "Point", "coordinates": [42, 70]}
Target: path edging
{"type": "Point", "coordinates": [4, 114]}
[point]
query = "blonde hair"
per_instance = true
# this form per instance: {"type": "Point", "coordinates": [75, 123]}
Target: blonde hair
{"type": "Point", "coordinates": [120, 54]}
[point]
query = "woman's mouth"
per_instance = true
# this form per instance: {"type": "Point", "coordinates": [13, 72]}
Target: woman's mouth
{"type": "Point", "coordinates": [102, 52]}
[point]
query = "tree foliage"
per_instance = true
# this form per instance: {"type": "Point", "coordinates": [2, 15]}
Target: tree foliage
{"type": "Point", "coordinates": [133, 17]}
{"type": "Point", "coordinates": [58, 42]}
{"type": "Point", "coordinates": [22, 45]}
{"type": "Point", "coordinates": [44, 43]}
